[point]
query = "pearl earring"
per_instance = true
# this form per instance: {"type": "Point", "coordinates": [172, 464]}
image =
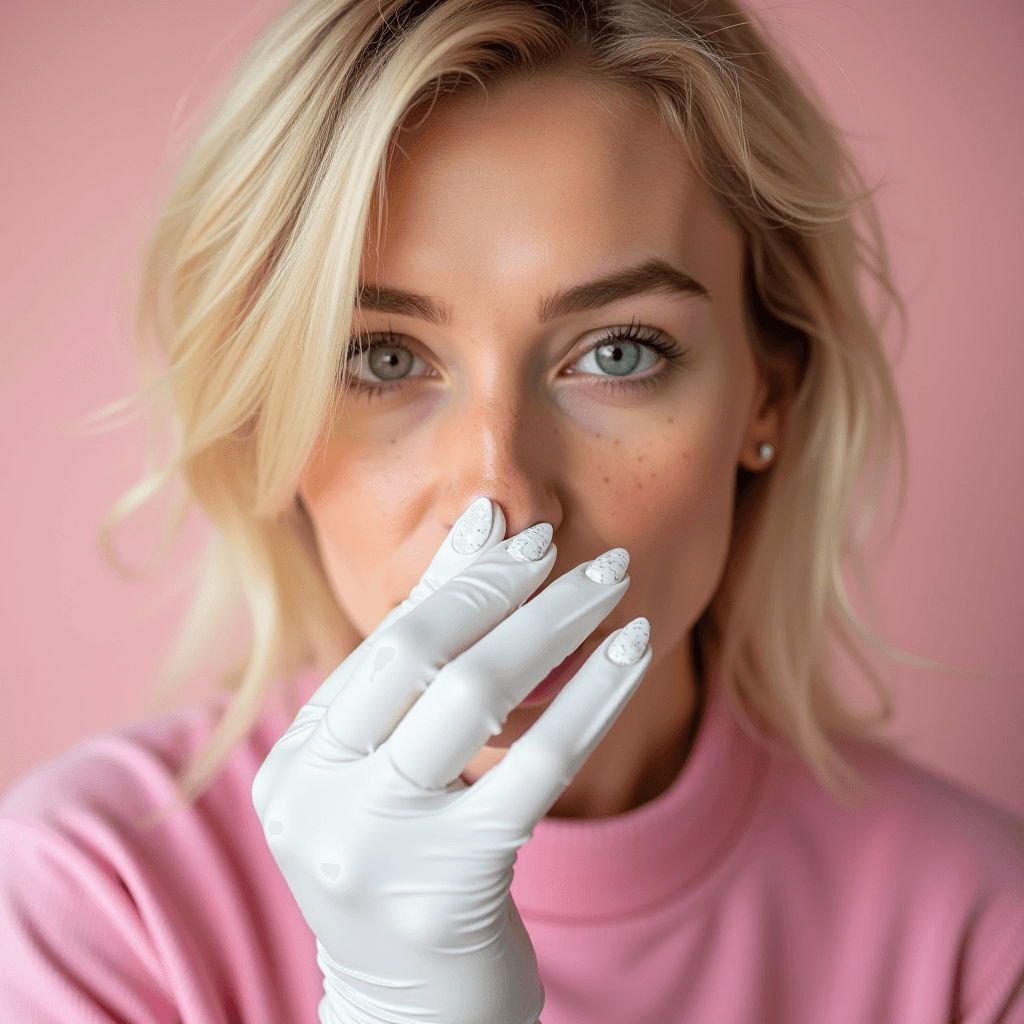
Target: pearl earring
{"type": "Point", "coordinates": [766, 451]}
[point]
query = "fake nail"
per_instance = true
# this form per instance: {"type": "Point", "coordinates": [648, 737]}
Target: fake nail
{"type": "Point", "coordinates": [530, 545]}
{"type": "Point", "coordinates": [629, 646]}
{"type": "Point", "coordinates": [472, 528]}
{"type": "Point", "coordinates": [610, 567]}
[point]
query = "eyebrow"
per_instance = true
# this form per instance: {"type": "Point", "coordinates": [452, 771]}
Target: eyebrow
{"type": "Point", "coordinates": [652, 275]}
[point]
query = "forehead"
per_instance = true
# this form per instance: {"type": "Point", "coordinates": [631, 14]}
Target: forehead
{"type": "Point", "coordinates": [557, 176]}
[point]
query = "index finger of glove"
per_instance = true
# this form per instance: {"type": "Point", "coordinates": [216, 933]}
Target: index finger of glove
{"type": "Point", "coordinates": [475, 693]}
{"type": "Point", "coordinates": [476, 532]}
{"type": "Point", "coordinates": [406, 655]}
{"type": "Point", "coordinates": [446, 564]}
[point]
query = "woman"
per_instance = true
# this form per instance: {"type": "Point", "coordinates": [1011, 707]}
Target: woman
{"type": "Point", "coordinates": [506, 298]}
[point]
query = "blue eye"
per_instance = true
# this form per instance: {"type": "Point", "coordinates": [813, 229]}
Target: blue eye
{"type": "Point", "coordinates": [386, 363]}
{"type": "Point", "coordinates": [626, 352]}
{"type": "Point", "coordinates": [382, 360]}
{"type": "Point", "coordinates": [618, 359]}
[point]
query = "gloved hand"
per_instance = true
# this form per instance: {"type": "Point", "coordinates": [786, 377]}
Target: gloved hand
{"type": "Point", "coordinates": [402, 870]}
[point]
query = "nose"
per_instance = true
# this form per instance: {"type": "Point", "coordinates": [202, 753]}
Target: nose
{"type": "Point", "coordinates": [504, 447]}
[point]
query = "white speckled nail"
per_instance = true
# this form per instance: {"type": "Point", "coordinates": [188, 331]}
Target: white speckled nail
{"type": "Point", "coordinates": [530, 545]}
{"type": "Point", "coordinates": [629, 646]}
{"type": "Point", "coordinates": [470, 532]}
{"type": "Point", "coordinates": [609, 567]}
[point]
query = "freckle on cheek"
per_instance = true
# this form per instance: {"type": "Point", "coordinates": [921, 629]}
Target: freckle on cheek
{"type": "Point", "coordinates": [671, 419]}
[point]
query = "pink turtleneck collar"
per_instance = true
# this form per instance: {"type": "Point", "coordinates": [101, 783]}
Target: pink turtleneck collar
{"type": "Point", "coordinates": [607, 867]}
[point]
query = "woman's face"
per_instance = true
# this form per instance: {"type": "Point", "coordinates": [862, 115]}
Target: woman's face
{"type": "Point", "coordinates": [556, 308]}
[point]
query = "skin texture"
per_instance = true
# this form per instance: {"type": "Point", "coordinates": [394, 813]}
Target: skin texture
{"type": "Point", "coordinates": [493, 203]}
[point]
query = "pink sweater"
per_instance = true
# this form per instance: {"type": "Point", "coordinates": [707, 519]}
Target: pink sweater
{"type": "Point", "coordinates": [742, 894]}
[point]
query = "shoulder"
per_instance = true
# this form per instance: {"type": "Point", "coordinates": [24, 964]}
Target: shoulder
{"type": "Point", "coordinates": [114, 801]}
{"type": "Point", "coordinates": [116, 893]}
{"type": "Point", "coordinates": [914, 817]}
{"type": "Point", "coordinates": [124, 773]}
{"type": "Point", "coordinates": [918, 864]}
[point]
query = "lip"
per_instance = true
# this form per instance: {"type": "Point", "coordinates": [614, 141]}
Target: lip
{"type": "Point", "coordinates": [550, 686]}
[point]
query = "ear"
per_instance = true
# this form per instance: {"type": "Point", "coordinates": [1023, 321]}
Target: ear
{"type": "Point", "coordinates": [767, 421]}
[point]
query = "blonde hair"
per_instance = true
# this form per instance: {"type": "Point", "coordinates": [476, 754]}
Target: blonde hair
{"type": "Point", "coordinates": [251, 275]}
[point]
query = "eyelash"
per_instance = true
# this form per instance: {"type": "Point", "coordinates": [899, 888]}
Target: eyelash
{"type": "Point", "coordinates": [636, 333]}
{"type": "Point", "coordinates": [362, 343]}
{"type": "Point", "coordinates": [648, 337]}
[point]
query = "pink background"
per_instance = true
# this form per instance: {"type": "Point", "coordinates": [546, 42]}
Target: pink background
{"type": "Point", "coordinates": [93, 96]}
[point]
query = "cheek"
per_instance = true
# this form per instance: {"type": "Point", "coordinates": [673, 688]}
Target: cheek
{"type": "Point", "coordinates": [366, 487]}
{"type": "Point", "coordinates": [665, 492]}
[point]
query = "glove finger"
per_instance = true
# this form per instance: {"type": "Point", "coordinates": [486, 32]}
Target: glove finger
{"type": "Point", "coordinates": [405, 657]}
{"type": "Point", "coordinates": [476, 531]}
{"type": "Point", "coordinates": [482, 517]}
{"type": "Point", "coordinates": [471, 698]}
{"type": "Point", "coordinates": [521, 788]}
{"type": "Point", "coordinates": [460, 549]}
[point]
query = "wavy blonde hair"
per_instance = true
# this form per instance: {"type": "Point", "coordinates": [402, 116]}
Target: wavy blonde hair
{"type": "Point", "coordinates": [251, 275]}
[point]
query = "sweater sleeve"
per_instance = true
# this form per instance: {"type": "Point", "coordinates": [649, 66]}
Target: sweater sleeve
{"type": "Point", "coordinates": [992, 964]}
{"type": "Point", "coordinates": [120, 901]}
{"type": "Point", "coordinates": [75, 948]}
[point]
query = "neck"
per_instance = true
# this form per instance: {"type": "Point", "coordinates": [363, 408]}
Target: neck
{"type": "Point", "coordinates": [646, 748]}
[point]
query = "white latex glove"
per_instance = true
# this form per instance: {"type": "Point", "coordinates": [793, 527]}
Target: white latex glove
{"type": "Point", "coordinates": [402, 870]}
